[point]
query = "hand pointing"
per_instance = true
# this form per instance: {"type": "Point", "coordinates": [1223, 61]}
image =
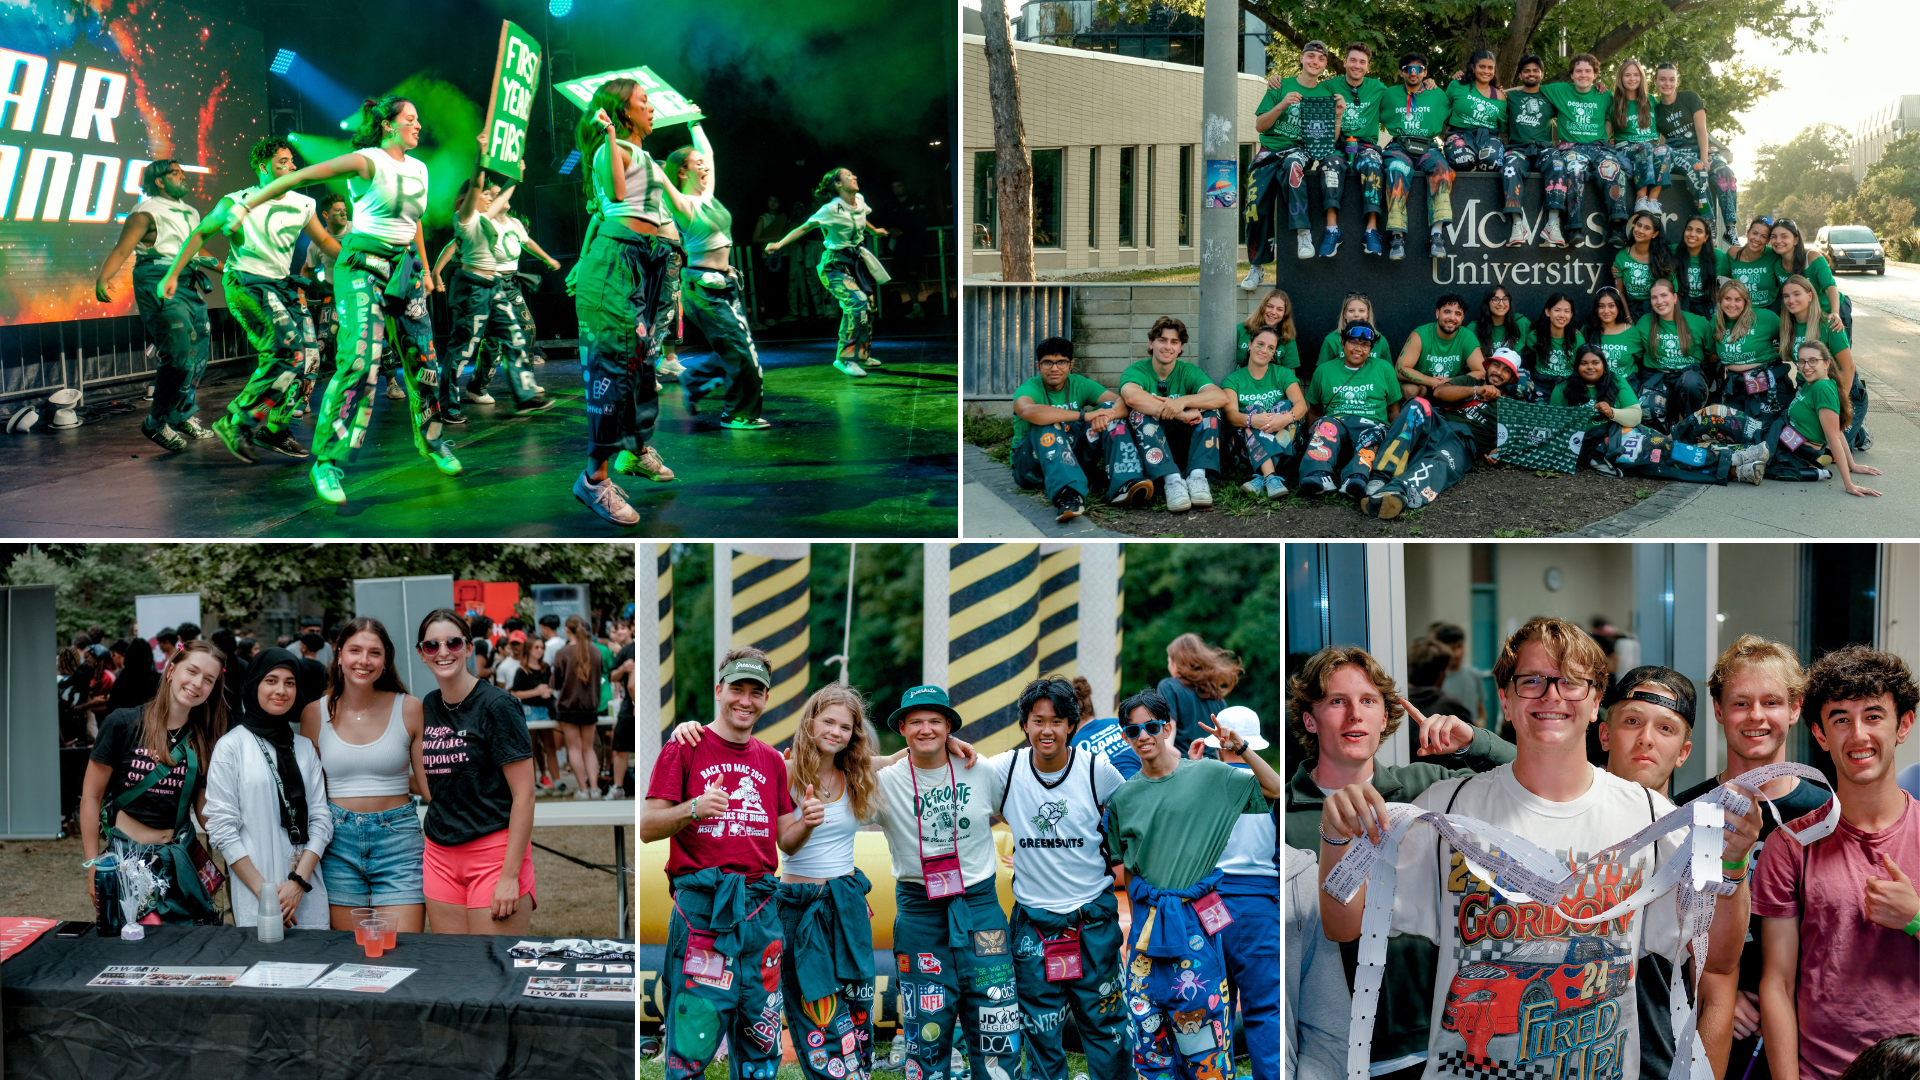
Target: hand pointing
{"type": "Point", "coordinates": [1440, 734]}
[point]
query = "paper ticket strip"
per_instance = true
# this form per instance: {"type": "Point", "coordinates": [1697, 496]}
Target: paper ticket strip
{"type": "Point", "coordinates": [1522, 872]}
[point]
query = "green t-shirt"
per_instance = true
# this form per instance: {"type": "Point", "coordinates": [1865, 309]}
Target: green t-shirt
{"type": "Point", "coordinates": [1581, 118]}
{"type": "Point", "coordinates": [1443, 359]}
{"type": "Point", "coordinates": [1623, 398]}
{"type": "Point", "coordinates": [1268, 394]}
{"type": "Point", "coordinates": [1760, 345]}
{"type": "Point", "coordinates": [1557, 361]}
{"type": "Point", "coordinates": [1362, 119]}
{"type": "Point", "coordinates": [1675, 121]}
{"type": "Point", "coordinates": [1818, 272]}
{"type": "Point", "coordinates": [1286, 354]}
{"type": "Point", "coordinates": [1079, 393]}
{"type": "Point", "coordinates": [1634, 131]}
{"type": "Point", "coordinates": [1693, 282]}
{"type": "Point", "coordinates": [1422, 115]}
{"type": "Point", "coordinates": [1666, 354]}
{"type": "Point", "coordinates": [1623, 350]}
{"type": "Point", "coordinates": [1341, 391]}
{"type": "Point", "coordinates": [1517, 337]}
{"type": "Point", "coordinates": [1285, 132]}
{"type": "Point", "coordinates": [1468, 108]}
{"type": "Point", "coordinates": [1184, 379]}
{"type": "Point", "coordinates": [1171, 830]}
{"type": "Point", "coordinates": [1761, 276]}
{"type": "Point", "coordinates": [1835, 340]}
{"type": "Point", "coordinates": [1804, 413]}
{"type": "Point", "coordinates": [1529, 118]}
{"type": "Point", "coordinates": [1636, 277]}
{"type": "Point", "coordinates": [1332, 352]}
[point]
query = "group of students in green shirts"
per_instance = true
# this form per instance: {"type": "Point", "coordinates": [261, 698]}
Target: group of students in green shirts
{"type": "Point", "coordinates": [1634, 136]}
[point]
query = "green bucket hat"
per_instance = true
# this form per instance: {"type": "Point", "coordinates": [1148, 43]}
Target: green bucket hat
{"type": "Point", "coordinates": [925, 697]}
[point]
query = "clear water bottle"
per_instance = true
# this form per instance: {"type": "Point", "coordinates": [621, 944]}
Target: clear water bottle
{"type": "Point", "coordinates": [270, 927]}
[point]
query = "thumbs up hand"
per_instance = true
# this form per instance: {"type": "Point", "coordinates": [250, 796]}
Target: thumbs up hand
{"type": "Point", "coordinates": [712, 802]}
{"type": "Point", "coordinates": [1892, 902]}
{"type": "Point", "coordinates": [813, 812]}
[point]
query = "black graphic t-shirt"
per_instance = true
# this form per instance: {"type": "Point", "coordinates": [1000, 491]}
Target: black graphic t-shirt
{"type": "Point", "coordinates": [465, 747]}
{"type": "Point", "coordinates": [122, 747]}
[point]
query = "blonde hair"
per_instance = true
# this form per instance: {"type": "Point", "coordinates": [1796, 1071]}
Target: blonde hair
{"type": "Point", "coordinates": [1342, 328]}
{"type": "Point", "coordinates": [1811, 332]}
{"type": "Point", "coordinates": [1741, 325]}
{"type": "Point", "coordinates": [1259, 317]}
{"type": "Point", "coordinates": [1573, 651]}
{"type": "Point", "coordinates": [1846, 399]}
{"type": "Point", "coordinates": [1754, 651]}
{"type": "Point", "coordinates": [854, 762]}
{"type": "Point", "coordinates": [1207, 671]}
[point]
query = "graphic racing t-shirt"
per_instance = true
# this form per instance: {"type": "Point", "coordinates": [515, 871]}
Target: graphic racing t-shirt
{"type": "Point", "coordinates": [742, 838]}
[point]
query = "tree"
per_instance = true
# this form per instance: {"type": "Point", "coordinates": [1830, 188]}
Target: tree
{"type": "Point", "coordinates": [1805, 178]}
{"type": "Point", "coordinates": [1887, 197]}
{"type": "Point", "coordinates": [1013, 168]}
{"type": "Point", "coordinates": [94, 584]}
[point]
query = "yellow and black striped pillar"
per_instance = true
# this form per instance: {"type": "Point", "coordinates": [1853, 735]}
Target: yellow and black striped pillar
{"type": "Point", "coordinates": [761, 599]}
{"type": "Point", "coordinates": [1059, 645]}
{"type": "Point", "coordinates": [653, 689]}
{"type": "Point", "coordinates": [984, 626]}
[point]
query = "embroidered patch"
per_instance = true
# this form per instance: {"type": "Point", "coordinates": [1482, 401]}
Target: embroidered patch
{"type": "Point", "coordinates": [815, 1038]}
{"type": "Point", "coordinates": [933, 1001]}
{"type": "Point", "coordinates": [1047, 439]}
{"type": "Point", "coordinates": [989, 943]}
{"type": "Point", "coordinates": [1154, 456]}
{"type": "Point", "coordinates": [928, 962]}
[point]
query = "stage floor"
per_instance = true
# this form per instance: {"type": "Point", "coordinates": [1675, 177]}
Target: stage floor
{"type": "Point", "coordinates": [845, 457]}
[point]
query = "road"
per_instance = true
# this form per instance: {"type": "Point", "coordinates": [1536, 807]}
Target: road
{"type": "Point", "coordinates": [1893, 302]}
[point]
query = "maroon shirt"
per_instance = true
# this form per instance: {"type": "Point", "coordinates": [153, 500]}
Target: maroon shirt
{"type": "Point", "coordinates": [742, 839]}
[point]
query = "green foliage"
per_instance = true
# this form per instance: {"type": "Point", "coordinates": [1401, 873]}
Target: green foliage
{"type": "Point", "coordinates": [994, 434]}
{"type": "Point", "coordinates": [1888, 196]}
{"type": "Point", "coordinates": [94, 584]}
{"type": "Point", "coordinates": [693, 660]}
{"type": "Point", "coordinates": [1806, 178]}
{"type": "Point", "coordinates": [1229, 594]}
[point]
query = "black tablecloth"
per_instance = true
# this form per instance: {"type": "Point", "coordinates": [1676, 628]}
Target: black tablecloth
{"type": "Point", "coordinates": [460, 1016]}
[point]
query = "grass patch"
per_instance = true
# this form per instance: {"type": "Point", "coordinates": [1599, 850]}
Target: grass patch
{"type": "Point", "coordinates": [1516, 534]}
{"type": "Point", "coordinates": [1641, 493]}
{"type": "Point", "coordinates": [994, 434]}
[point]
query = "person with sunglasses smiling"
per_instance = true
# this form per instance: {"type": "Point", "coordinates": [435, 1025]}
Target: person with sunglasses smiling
{"type": "Point", "coordinates": [1415, 114]}
{"type": "Point", "coordinates": [1169, 826]}
{"type": "Point", "coordinates": [479, 765]}
{"type": "Point", "coordinates": [1349, 408]}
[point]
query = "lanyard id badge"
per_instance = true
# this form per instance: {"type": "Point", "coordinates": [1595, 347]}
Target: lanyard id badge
{"type": "Point", "coordinates": [703, 963]}
{"type": "Point", "coordinates": [942, 872]}
{"type": "Point", "coordinates": [1213, 913]}
{"type": "Point", "coordinates": [1790, 438]}
{"type": "Point", "coordinates": [1063, 956]}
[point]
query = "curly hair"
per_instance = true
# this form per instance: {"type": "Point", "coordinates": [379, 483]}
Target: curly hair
{"type": "Point", "coordinates": [1573, 651]}
{"type": "Point", "coordinates": [1855, 673]}
{"type": "Point", "coordinates": [1207, 671]}
{"type": "Point", "coordinates": [855, 761]}
{"type": "Point", "coordinates": [1310, 684]}
{"type": "Point", "coordinates": [1754, 651]}
{"type": "Point", "coordinates": [1168, 322]}
{"type": "Point", "coordinates": [264, 151]}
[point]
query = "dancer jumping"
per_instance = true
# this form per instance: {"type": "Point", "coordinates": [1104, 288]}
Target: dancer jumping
{"type": "Point", "coordinates": [158, 226]}
{"type": "Point", "coordinates": [381, 286]}
{"type": "Point", "coordinates": [711, 289]}
{"type": "Point", "coordinates": [512, 285]}
{"type": "Point", "coordinates": [617, 286]}
{"type": "Point", "coordinates": [846, 267]}
{"type": "Point", "coordinates": [266, 301]}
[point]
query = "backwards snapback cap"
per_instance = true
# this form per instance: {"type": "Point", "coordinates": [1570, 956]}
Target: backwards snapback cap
{"type": "Point", "coordinates": [1508, 357]}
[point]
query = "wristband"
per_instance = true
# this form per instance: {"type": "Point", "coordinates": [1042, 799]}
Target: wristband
{"type": "Point", "coordinates": [305, 885]}
{"type": "Point", "coordinates": [1330, 840]}
{"type": "Point", "coordinates": [1731, 865]}
{"type": "Point", "coordinates": [1913, 928]}
{"type": "Point", "coordinates": [693, 810]}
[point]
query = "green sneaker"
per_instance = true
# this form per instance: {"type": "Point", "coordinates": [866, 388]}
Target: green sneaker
{"type": "Point", "coordinates": [646, 463]}
{"type": "Point", "coordinates": [238, 443]}
{"type": "Point", "coordinates": [443, 459]}
{"type": "Point", "coordinates": [326, 483]}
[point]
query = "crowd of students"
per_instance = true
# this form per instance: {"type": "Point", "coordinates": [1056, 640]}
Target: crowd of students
{"type": "Point", "coordinates": [1168, 800]}
{"type": "Point", "coordinates": [1698, 365]}
{"type": "Point", "coordinates": [1811, 967]}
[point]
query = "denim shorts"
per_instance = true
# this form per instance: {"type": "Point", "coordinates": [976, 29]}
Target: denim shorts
{"type": "Point", "coordinates": [374, 860]}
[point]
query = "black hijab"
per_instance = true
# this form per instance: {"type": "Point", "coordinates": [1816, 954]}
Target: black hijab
{"type": "Point", "coordinates": [279, 731]}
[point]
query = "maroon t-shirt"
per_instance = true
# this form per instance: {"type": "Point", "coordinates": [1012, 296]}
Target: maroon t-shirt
{"type": "Point", "coordinates": [1844, 957]}
{"type": "Point", "coordinates": [743, 838]}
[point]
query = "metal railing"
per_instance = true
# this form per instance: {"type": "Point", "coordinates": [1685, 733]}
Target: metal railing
{"type": "Point", "coordinates": [1003, 324]}
{"type": "Point", "coordinates": [37, 359]}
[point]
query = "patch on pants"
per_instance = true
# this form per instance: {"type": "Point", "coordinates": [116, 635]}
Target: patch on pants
{"type": "Point", "coordinates": [696, 1027]}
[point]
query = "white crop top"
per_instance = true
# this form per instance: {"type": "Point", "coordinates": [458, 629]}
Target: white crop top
{"type": "Point", "coordinates": [843, 226]}
{"type": "Point", "coordinates": [710, 226]}
{"type": "Point", "coordinates": [510, 238]}
{"type": "Point", "coordinates": [477, 240]}
{"type": "Point", "coordinates": [643, 193]}
{"type": "Point", "coordinates": [390, 205]}
{"type": "Point", "coordinates": [173, 222]}
{"type": "Point", "coordinates": [267, 238]}
{"type": "Point", "coordinates": [381, 767]}
{"type": "Point", "coordinates": [828, 852]}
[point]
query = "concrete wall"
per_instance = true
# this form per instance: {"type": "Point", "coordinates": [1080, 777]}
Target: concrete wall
{"type": "Point", "coordinates": [1439, 585]}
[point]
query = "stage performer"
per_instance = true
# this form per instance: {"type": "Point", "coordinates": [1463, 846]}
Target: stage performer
{"type": "Point", "coordinates": [846, 267]}
{"type": "Point", "coordinates": [513, 282]}
{"type": "Point", "coordinates": [712, 290]}
{"type": "Point", "coordinates": [265, 299]}
{"type": "Point", "coordinates": [158, 225]}
{"type": "Point", "coordinates": [317, 267]}
{"type": "Point", "coordinates": [616, 289]}
{"type": "Point", "coordinates": [382, 282]}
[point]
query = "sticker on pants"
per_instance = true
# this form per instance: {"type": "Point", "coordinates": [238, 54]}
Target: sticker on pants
{"type": "Point", "coordinates": [1000, 1020]}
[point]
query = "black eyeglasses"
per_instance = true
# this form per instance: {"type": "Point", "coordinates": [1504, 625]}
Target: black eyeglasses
{"type": "Point", "coordinates": [1151, 727]}
{"type": "Point", "coordinates": [1055, 361]}
{"type": "Point", "coordinates": [1535, 686]}
{"type": "Point", "coordinates": [452, 644]}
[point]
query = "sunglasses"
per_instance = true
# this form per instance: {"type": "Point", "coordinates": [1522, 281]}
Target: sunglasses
{"type": "Point", "coordinates": [1360, 333]}
{"type": "Point", "coordinates": [1151, 727]}
{"type": "Point", "coordinates": [452, 644]}
{"type": "Point", "coordinates": [1415, 69]}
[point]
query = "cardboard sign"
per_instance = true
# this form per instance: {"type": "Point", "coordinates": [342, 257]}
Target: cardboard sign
{"type": "Point", "coordinates": [669, 105]}
{"type": "Point", "coordinates": [516, 76]}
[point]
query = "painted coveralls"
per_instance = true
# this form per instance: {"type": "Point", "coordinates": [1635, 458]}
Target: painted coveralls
{"type": "Point", "coordinates": [616, 288]}
{"type": "Point", "coordinates": [1598, 161]}
{"type": "Point", "coordinates": [713, 301]}
{"type": "Point", "coordinates": [1714, 181]}
{"type": "Point", "coordinates": [508, 292]}
{"type": "Point", "coordinates": [1250, 946]}
{"type": "Point", "coordinates": [1423, 456]}
{"type": "Point", "coordinates": [743, 1002]}
{"type": "Point", "coordinates": [280, 329]}
{"type": "Point", "coordinates": [1177, 986]}
{"type": "Point", "coordinates": [380, 293]}
{"type": "Point", "coordinates": [1054, 457]}
{"type": "Point", "coordinates": [955, 968]}
{"type": "Point", "coordinates": [826, 974]}
{"type": "Point", "coordinates": [1178, 447]}
{"type": "Point", "coordinates": [1095, 998]}
{"type": "Point", "coordinates": [180, 334]}
{"type": "Point", "coordinates": [1346, 443]}
{"type": "Point", "coordinates": [844, 272]}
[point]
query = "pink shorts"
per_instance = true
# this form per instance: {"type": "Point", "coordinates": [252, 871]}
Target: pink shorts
{"type": "Point", "coordinates": [465, 874]}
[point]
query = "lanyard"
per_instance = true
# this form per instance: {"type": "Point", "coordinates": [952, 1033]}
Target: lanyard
{"type": "Point", "coordinates": [953, 785]}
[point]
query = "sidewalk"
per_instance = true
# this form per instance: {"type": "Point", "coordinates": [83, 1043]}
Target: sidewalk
{"type": "Point", "coordinates": [993, 507]}
{"type": "Point", "coordinates": [1779, 510]}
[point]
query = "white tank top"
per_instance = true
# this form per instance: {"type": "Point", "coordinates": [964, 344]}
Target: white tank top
{"type": "Point", "coordinates": [828, 852]}
{"type": "Point", "coordinates": [356, 770]}
{"type": "Point", "coordinates": [173, 222]}
{"type": "Point", "coordinates": [390, 205]}
{"type": "Point", "coordinates": [643, 195]}
{"type": "Point", "coordinates": [1057, 862]}
{"type": "Point", "coordinates": [266, 240]}
{"type": "Point", "coordinates": [477, 239]}
{"type": "Point", "coordinates": [510, 238]}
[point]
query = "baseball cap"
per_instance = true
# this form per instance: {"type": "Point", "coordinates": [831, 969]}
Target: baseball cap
{"type": "Point", "coordinates": [1245, 723]}
{"type": "Point", "coordinates": [1508, 357]}
{"type": "Point", "coordinates": [518, 635]}
{"type": "Point", "coordinates": [1315, 45]}
{"type": "Point", "coordinates": [924, 697]}
{"type": "Point", "coordinates": [747, 667]}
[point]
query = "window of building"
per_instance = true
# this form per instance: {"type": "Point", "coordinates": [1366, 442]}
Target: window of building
{"type": "Point", "coordinates": [1093, 197]}
{"type": "Point", "coordinates": [986, 200]}
{"type": "Point", "coordinates": [1186, 196]}
{"type": "Point", "coordinates": [1126, 196]}
{"type": "Point", "coordinates": [1048, 173]}
{"type": "Point", "coordinates": [1152, 157]}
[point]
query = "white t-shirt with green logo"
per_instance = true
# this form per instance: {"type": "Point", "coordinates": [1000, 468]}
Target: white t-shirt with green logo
{"type": "Point", "coordinates": [267, 237]}
{"type": "Point", "coordinates": [173, 222]}
{"type": "Point", "coordinates": [959, 803]}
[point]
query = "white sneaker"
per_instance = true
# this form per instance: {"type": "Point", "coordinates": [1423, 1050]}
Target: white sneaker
{"type": "Point", "coordinates": [606, 500]}
{"type": "Point", "coordinates": [1303, 243]}
{"type": "Point", "coordinates": [481, 398]}
{"type": "Point", "coordinates": [197, 429]}
{"type": "Point", "coordinates": [396, 392]}
{"type": "Point", "coordinates": [847, 366]}
{"type": "Point", "coordinates": [1550, 232]}
{"type": "Point", "coordinates": [1252, 280]}
{"type": "Point", "coordinates": [613, 794]}
{"type": "Point", "coordinates": [1750, 463]}
{"type": "Point", "coordinates": [1198, 490]}
{"type": "Point", "coordinates": [582, 795]}
{"type": "Point", "coordinates": [671, 366]}
{"type": "Point", "coordinates": [1179, 500]}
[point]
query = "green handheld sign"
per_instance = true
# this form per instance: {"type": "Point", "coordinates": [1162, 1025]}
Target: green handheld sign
{"type": "Point", "coordinates": [516, 75]}
{"type": "Point", "coordinates": [670, 106]}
